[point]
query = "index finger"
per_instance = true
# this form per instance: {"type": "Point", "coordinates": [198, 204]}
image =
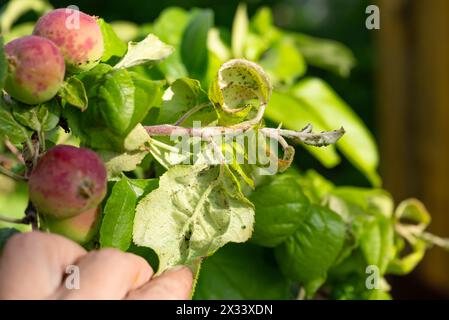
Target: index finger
{"type": "Point", "coordinates": [33, 264]}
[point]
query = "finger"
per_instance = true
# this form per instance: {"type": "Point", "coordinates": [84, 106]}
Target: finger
{"type": "Point", "coordinates": [175, 284]}
{"type": "Point", "coordinates": [33, 264]}
{"type": "Point", "coordinates": [107, 274]}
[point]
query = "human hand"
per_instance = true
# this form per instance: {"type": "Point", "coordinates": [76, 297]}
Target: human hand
{"type": "Point", "coordinates": [33, 266]}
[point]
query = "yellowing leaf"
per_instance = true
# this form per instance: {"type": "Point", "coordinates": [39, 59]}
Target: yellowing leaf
{"type": "Point", "coordinates": [195, 211]}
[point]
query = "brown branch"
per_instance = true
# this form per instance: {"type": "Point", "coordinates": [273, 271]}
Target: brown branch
{"type": "Point", "coordinates": [14, 151]}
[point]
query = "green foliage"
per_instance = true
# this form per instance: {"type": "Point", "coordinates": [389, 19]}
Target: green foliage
{"type": "Point", "coordinates": [241, 271]}
{"type": "Point", "coordinates": [281, 208]}
{"type": "Point", "coordinates": [303, 231]}
{"type": "Point", "coordinates": [307, 255]}
{"type": "Point", "coordinates": [44, 117]}
{"type": "Point", "coordinates": [3, 64]}
{"type": "Point", "coordinates": [194, 43]}
{"type": "Point", "coordinates": [9, 127]}
{"type": "Point", "coordinates": [74, 93]}
{"type": "Point", "coordinates": [113, 46]}
{"type": "Point", "coordinates": [326, 54]}
{"type": "Point", "coordinates": [358, 146]}
{"type": "Point", "coordinates": [116, 228]}
{"type": "Point", "coordinates": [14, 9]}
{"type": "Point", "coordinates": [187, 94]}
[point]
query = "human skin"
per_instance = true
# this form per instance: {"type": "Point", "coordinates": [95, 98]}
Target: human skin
{"type": "Point", "coordinates": [104, 274]}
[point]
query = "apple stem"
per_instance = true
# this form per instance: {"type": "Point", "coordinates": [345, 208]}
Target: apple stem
{"type": "Point", "coordinates": [31, 216]}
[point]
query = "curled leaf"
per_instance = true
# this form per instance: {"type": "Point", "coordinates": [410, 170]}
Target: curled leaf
{"type": "Point", "coordinates": [239, 82]}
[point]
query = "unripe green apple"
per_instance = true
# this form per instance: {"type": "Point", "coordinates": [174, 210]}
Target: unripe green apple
{"type": "Point", "coordinates": [36, 69]}
{"type": "Point", "coordinates": [76, 34]}
{"type": "Point", "coordinates": [80, 228]}
{"type": "Point", "coordinates": [66, 181]}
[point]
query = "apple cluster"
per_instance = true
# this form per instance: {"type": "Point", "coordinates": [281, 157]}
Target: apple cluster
{"type": "Point", "coordinates": [67, 184]}
{"type": "Point", "coordinates": [63, 40]}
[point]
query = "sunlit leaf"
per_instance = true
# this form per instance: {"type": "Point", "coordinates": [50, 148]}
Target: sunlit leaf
{"type": "Point", "coordinates": [202, 208]}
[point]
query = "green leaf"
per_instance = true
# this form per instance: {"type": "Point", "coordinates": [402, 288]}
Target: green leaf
{"type": "Point", "coordinates": [17, 8]}
{"type": "Point", "coordinates": [413, 210]}
{"type": "Point", "coordinates": [13, 203]}
{"type": "Point", "coordinates": [410, 216]}
{"type": "Point", "coordinates": [3, 64]}
{"type": "Point", "coordinates": [358, 144]}
{"type": "Point", "coordinates": [135, 151]}
{"type": "Point", "coordinates": [370, 201]}
{"type": "Point", "coordinates": [369, 212]}
{"type": "Point", "coordinates": [241, 271]}
{"type": "Point", "coordinates": [9, 127]}
{"type": "Point", "coordinates": [239, 31]}
{"type": "Point", "coordinates": [308, 254]}
{"type": "Point", "coordinates": [74, 93]}
{"type": "Point", "coordinates": [327, 54]}
{"type": "Point", "coordinates": [283, 62]}
{"type": "Point", "coordinates": [116, 163]}
{"type": "Point", "coordinates": [263, 34]}
{"type": "Point", "coordinates": [113, 46]}
{"type": "Point", "coordinates": [281, 207]}
{"type": "Point", "coordinates": [262, 24]}
{"type": "Point", "coordinates": [110, 122]}
{"type": "Point", "coordinates": [91, 130]}
{"type": "Point", "coordinates": [376, 242]}
{"type": "Point", "coordinates": [19, 30]}
{"type": "Point", "coordinates": [125, 30]}
{"type": "Point", "coordinates": [218, 47]}
{"type": "Point", "coordinates": [314, 185]}
{"type": "Point", "coordinates": [194, 53]}
{"type": "Point", "coordinates": [150, 49]}
{"type": "Point", "coordinates": [295, 115]}
{"type": "Point", "coordinates": [167, 155]}
{"type": "Point", "coordinates": [404, 264]}
{"type": "Point", "coordinates": [203, 209]}
{"type": "Point", "coordinates": [147, 94]}
{"type": "Point", "coordinates": [142, 187]}
{"type": "Point", "coordinates": [354, 288]}
{"type": "Point", "coordinates": [93, 78]}
{"type": "Point", "coordinates": [117, 225]}
{"type": "Point", "coordinates": [43, 117]}
{"type": "Point", "coordinates": [170, 25]}
{"type": "Point", "coordinates": [116, 101]}
{"type": "Point", "coordinates": [136, 139]}
{"type": "Point", "coordinates": [183, 95]}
